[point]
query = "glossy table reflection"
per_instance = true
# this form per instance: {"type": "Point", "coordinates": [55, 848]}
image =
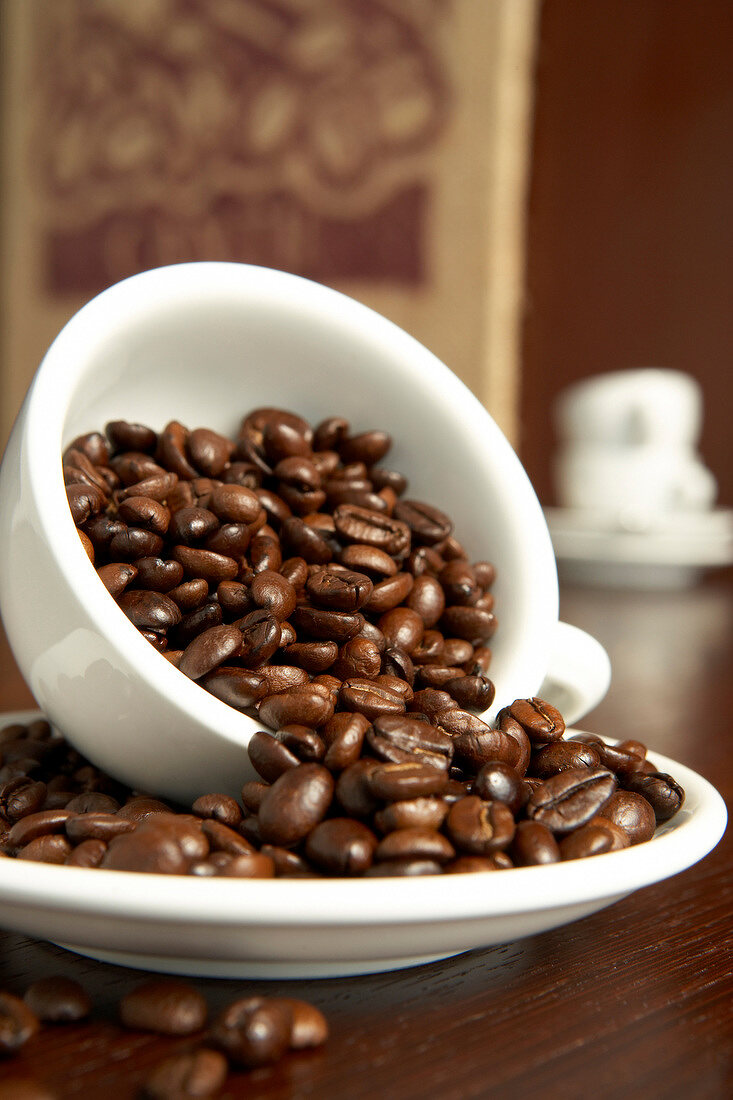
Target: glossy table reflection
{"type": "Point", "coordinates": [634, 1001]}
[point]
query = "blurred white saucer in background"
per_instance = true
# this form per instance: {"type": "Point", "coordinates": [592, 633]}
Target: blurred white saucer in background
{"type": "Point", "coordinates": [671, 551]}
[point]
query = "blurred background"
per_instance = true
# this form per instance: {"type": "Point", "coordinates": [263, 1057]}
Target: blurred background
{"type": "Point", "coordinates": [539, 190]}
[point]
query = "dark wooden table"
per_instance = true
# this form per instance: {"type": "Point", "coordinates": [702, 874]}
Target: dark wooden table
{"type": "Point", "coordinates": [636, 1001]}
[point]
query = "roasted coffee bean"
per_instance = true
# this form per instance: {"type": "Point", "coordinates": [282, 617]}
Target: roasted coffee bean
{"type": "Point", "coordinates": [93, 802]}
{"type": "Point", "coordinates": [89, 853]}
{"type": "Point", "coordinates": [260, 632]}
{"type": "Point", "coordinates": [209, 451]}
{"type": "Point", "coordinates": [434, 676]}
{"type": "Point", "coordinates": [471, 623]}
{"type": "Point", "coordinates": [400, 739]}
{"type": "Point", "coordinates": [459, 583]}
{"type": "Point", "coordinates": [21, 797]}
{"type": "Point", "coordinates": [329, 433]}
{"type": "Point", "coordinates": [134, 543]}
{"type": "Point", "coordinates": [164, 1005]}
{"type": "Point", "coordinates": [369, 698]}
{"type": "Point", "coordinates": [571, 798]}
{"type": "Point", "coordinates": [273, 593]}
{"type": "Point", "coordinates": [146, 513]}
{"type": "Point", "coordinates": [305, 541]}
{"type": "Point", "coordinates": [632, 813]}
{"type": "Point", "coordinates": [253, 1031]}
{"type": "Point", "coordinates": [534, 844]}
{"type": "Point", "coordinates": [94, 446]}
{"type": "Point", "coordinates": [427, 524]}
{"type": "Point", "coordinates": [303, 742]}
{"type": "Point", "coordinates": [429, 649]}
{"type": "Point", "coordinates": [339, 591]}
{"type": "Point", "coordinates": [388, 593]}
{"type": "Point", "coordinates": [343, 735]}
{"type": "Point", "coordinates": [134, 468]}
{"type": "Point", "coordinates": [314, 657]}
{"type": "Point", "coordinates": [147, 850]}
{"type": "Point", "coordinates": [341, 846]}
{"type": "Point", "coordinates": [197, 1073]}
{"type": "Point", "coordinates": [46, 849]}
{"type": "Point", "coordinates": [476, 692]}
{"type": "Point", "coordinates": [57, 999]}
{"type": "Point", "coordinates": [157, 575]}
{"type": "Point", "coordinates": [395, 782]}
{"type": "Point", "coordinates": [559, 756]}
{"type": "Point", "coordinates": [18, 1023]}
{"type": "Point", "coordinates": [367, 447]}
{"type": "Point", "coordinates": [479, 662]}
{"type": "Point", "coordinates": [190, 595]}
{"type": "Point", "coordinates": [359, 658]}
{"type": "Point", "coordinates": [96, 826]}
{"type": "Point", "coordinates": [84, 501]}
{"type": "Point", "coordinates": [661, 791]}
{"type": "Point", "coordinates": [416, 842]}
{"type": "Point", "coordinates": [388, 479]}
{"type": "Point", "coordinates": [35, 825]}
{"type": "Point", "coordinates": [283, 677]}
{"type": "Point", "coordinates": [361, 525]}
{"type": "Point", "coordinates": [540, 720]}
{"type": "Point", "coordinates": [352, 788]}
{"type": "Point", "coordinates": [426, 597]}
{"type": "Point", "coordinates": [269, 757]}
{"type": "Point", "coordinates": [498, 782]}
{"type": "Point", "coordinates": [432, 702]}
{"type": "Point", "coordinates": [306, 705]}
{"type": "Point", "coordinates": [239, 687]}
{"type": "Point", "coordinates": [397, 663]}
{"type": "Point", "coordinates": [221, 807]}
{"type": "Point", "coordinates": [126, 436]}
{"type": "Point", "coordinates": [402, 628]}
{"type": "Point", "coordinates": [196, 622]}
{"type": "Point", "coordinates": [295, 804]}
{"type": "Point", "coordinates": [209, 650]}
{"type": "Point", "coordinates": [212, 567]}
{"type": "Point", "coordinates": [478, 827]}
{"type": "Point", "coordinates": [425, 811]}
{"type": "Point", "coordinates": [367, 559]}
{"type": "Point", "coordinates": [330, 626]}
{"type": "Point", "coordinates": [230, 540]}
{"type": "Point", "coordinates": [594, 839]}
{"type": "Point", "coordinates": [522, 746]}
{"type": "Point", "coordinates": [234, 504]}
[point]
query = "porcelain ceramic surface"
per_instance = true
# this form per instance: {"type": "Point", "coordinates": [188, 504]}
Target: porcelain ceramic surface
{"type": "Point", "coordinates": [205, 343]}
{"type": "Point", "coordinates": [325, 928]}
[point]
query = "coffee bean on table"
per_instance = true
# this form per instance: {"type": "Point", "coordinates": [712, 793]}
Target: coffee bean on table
{"type": "Point", "coordinates": [165, 1005]}
{"type": "Point", "coordinates": [18, 1023]}
{"type": "Point", "coordinates": [57, 999]}
{"type": "Point", "coordinates": [253, 1031]}
{"type": "Point", "coordinates": [198, 1073]}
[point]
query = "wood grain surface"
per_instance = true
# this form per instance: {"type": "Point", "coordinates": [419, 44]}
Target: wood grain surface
{"type": "Point", "coordinates": [635, 1001]}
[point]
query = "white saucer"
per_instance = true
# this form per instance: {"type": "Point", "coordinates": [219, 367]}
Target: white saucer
{"type": "Point", "coordinates": [231, 928]}
{"type": "Point", "coordinates": [671, 551]}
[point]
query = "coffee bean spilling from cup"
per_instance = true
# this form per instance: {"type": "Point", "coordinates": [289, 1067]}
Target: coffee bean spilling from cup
{"type": "Point", "coordinates": [249, 1032]}
{"type": "Point", "coordinates": [284, 571]}
{"type": "Point", "coordinates": [401, 795]}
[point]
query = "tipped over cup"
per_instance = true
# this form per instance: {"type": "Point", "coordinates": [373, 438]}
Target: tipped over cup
{"type": "Point", "coordinates": [204, 343]}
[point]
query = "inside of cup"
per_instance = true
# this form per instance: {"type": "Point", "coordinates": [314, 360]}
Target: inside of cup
{"type": "Point", "coordinates": [206, 343]}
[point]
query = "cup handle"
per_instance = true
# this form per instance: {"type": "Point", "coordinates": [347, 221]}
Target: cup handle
{"type": "Point", "coordinates": [579, 673]}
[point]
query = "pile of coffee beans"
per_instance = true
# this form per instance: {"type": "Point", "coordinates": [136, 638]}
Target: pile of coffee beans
{"type": "Point", "coordinates": [441, 793]}
{"type": "Point", "coordinates": [284, 571]}
{"type": "Point", "coordinates": [248, 1032]}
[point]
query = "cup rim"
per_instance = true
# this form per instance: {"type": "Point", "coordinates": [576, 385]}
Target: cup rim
{"type": "Point", "coordinates": [66, 362]}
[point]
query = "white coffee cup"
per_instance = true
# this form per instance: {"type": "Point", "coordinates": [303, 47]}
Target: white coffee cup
{"type": "Point", "coordinates": [204, 343]}
{"type": "Point", "coordinates": [644, 406]}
